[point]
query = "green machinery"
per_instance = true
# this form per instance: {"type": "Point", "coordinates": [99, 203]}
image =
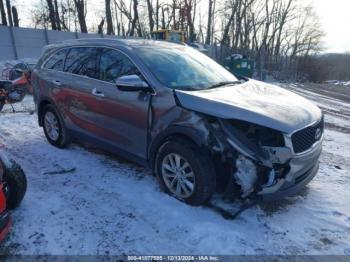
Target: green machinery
{"type": "Point", "coordinates": [239, 65]}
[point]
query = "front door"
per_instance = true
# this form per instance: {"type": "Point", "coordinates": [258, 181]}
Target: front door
{"type": "Point", "coordinates": [122, 117]}
{"type": "Point", "coordinates": [96, 107]}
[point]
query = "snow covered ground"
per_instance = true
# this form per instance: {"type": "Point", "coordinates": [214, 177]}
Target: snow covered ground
{"type": "Point", "coordinates": [104, 205]}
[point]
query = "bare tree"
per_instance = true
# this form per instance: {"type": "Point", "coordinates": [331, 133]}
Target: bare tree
{"type": "Point", "coordinates": [150, 15]}
{"type": "Point", "coordinates": [9, 13]}
{"type": "Point", "coordinates": [3, 13]}
{"type": "Point", "coordinates": [209, 24]}
{"type": "Point", "coordinates": [66, 15]}
{"type": "Point", "coordinates": [117, 18]}
{"type": "Point", "coordinates": [135, 20]}
{"type": "Point", "coordinates": [15, 16]}
{"type": "Point", "coordinates": [157, 14]}
{"type": "Point", "coordinates": [120, 23]}
{"type": "Point", "coordinates": [189, 5]}
{"type": "Point", "coordinates": [100, 27]}
{"type": "Point", "coordinates": [81, 7]}
{"type": "Point", "coordinates": [57, 16]}
{"type": "Point", "coordinates": [110, 29]}
{"type": "Point", "coordinates": [278, 34]}
{"type": "Point", "coordinates": [128, 13]}
{"type": "Point", "coordinates": [52, 15]}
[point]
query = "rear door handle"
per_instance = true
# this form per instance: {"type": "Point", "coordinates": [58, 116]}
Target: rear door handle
{"type": "Point", "coordinates": [56, 83]}
{"type": "Point", "coordinates": [95, 92]}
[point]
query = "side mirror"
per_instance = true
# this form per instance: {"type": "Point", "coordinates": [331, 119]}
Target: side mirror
{"type": "Point", "coordinates": [131, 83]}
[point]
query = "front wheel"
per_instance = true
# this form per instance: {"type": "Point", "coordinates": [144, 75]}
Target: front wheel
{"type": "Point", "coordinates": [185, 172]}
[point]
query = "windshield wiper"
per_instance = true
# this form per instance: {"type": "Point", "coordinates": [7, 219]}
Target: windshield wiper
{"type": "Point", "coordinates": [224, 84]}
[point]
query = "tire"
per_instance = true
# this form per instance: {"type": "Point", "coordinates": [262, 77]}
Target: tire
{"type": "Point", "coordinates": [16, 182]}
{"type": "Point", "coordinates": [203, 180]}
{"type": "Point", "coordinates": [61, 139]}
{"type": "Point", "coordinates": [2, 103]}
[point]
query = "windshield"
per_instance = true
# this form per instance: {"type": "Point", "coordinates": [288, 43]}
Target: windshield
{"type": "Point", "coordinates": [185, 68]}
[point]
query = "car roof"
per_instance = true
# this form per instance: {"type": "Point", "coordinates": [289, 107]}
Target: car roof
{"type": "Point", "coordinates": [117, 42]}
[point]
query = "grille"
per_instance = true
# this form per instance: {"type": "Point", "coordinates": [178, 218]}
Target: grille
{"type": "Point", "coordinates": [305, 138]}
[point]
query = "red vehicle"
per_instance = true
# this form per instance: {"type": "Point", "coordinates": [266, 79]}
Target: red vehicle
{"type": "Point", "coordinates": [13, 91]}
{"type": "Point", "coordinates": [13, 185]}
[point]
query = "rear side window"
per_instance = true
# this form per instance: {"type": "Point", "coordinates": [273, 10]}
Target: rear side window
{"type": "Point", "coordinates": [56, 62]}
{"type": "Point", "coordinates": [82, 61]}
{"type": "Point", "coordinates": [114, 64]}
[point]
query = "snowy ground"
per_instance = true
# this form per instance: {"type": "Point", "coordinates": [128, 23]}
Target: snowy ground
{"type": "Point", "coordinates": [104, 205]}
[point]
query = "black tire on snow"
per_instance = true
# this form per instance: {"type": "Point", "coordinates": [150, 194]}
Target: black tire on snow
{"type": "Point", "coordinates": [63, 139]}
{"type": "Point", "coordinates": [202, 166]}
{"type": "Point", "coordinates": [2, 103]}
{"type": "Point", "coordinates": [16, 185]}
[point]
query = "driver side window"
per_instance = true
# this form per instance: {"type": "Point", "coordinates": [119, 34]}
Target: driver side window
{"type": "Point", "coordinates": [114, 64]}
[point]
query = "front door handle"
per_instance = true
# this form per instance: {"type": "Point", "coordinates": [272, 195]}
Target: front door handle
{"type": "Point", "coordinates": [95, 92]}
{"type": "Point", "coordinates": [56, 83]}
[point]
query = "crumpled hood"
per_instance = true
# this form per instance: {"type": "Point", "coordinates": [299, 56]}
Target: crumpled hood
{"type": "Point", "coordinates": [255, 102]}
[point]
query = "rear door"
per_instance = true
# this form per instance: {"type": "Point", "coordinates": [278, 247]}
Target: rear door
{"type": "Point", "coordinates": [49, 79]}
{"type": "Point", "coordinates": [80, 77]}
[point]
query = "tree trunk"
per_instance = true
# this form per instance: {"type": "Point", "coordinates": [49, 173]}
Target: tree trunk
{"type": "Point", "coordinates": [3, 13]}
{"type": "Point", "coordinates": [80, 6]}
{"type": "Point", "coordinates": [9, 14]}
{"type": "Point", "coordinates": [116, 19]}
{"type": "Point", "coordinates": [110, 30]}
{"type": "Point", "coordinates": [150, 15]}
{"type": "Point", "coordinates": [157, 14]}
{"type": "Point", "coordinates": [174, 14]}
{"type": "Point", "coordinates": [210, 13]}
{"type": "Point", "coordinates": [163, 18]}
{"type": "Point", "coordinates": [225, 37]}
{"type": "Point", "coordinates": [57, 16]}
{"type": "Point", "coordinates": [135, 20]}
{"type": "Point", "coordinates": [100, 27]}
{"type": "Point", "coordinates": [52, 16]}
{"type": "Point", "coordinates": [15, 16]}
{"type": "Point", "coordinates": [188, 8]}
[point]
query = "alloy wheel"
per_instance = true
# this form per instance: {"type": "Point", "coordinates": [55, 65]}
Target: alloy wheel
{"type": "Point", "coordinates": [52, 126]}
{"type": "Point", "coordinates": [178, 175]}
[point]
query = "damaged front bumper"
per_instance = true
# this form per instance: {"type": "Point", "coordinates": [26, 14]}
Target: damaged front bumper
{"type": "Point", "coordinates": [280, 172]}
{"type": "Point", "coordinates": [303, 168]}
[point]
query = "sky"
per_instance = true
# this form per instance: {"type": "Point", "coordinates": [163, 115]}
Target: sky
{"type": "Point", "coordinates": [333, 14]}
{"type": "Point", "coordinates": [334, 18]}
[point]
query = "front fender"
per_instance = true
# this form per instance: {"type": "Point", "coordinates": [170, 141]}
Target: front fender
{"type": "Point", "coordinates": [198, 135]}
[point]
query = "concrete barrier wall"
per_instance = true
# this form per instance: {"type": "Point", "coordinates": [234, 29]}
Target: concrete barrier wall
{"type": "Point", "coordinates": [19, 43]}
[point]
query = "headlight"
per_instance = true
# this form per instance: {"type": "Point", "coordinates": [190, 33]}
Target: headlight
{"type": "Point", "coordinates": [259, 135]}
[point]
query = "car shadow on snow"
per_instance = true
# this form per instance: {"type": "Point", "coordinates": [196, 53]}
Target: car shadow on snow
{"type": "Point", "coordinates": [114, 160]}
{"type": "Point", "coordinates": [272, 207]}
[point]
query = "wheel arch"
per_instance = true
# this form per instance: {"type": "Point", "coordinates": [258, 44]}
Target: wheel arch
{"type": "Point", "coordinates": [41, 105]}
{"type": "Point", "coordinates": [187, 133]}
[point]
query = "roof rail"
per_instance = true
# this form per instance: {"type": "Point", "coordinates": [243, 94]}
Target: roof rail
{"type": "Point", "coordinates": [87, 40]}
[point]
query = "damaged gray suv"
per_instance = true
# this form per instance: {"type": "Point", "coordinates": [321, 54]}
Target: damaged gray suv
{"type": "Point", "coordinates": [168, 106]}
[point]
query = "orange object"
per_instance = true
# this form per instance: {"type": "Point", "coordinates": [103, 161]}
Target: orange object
{"type": "Point", "coordinates": [5, 220]}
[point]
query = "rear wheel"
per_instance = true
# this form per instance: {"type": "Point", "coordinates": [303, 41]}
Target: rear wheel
{"type": "Point", "coordinates": [2, 103]}
{"type": "Point", "coordinates": [54, 128]}
{"type": "Point", "coordinates": [185, 172]}
{"type": "Point", "coordinates": [16, 188]}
